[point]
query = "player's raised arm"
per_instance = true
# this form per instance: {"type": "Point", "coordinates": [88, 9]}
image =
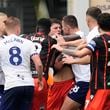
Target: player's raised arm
{"type": "Point", "coordinates": [76, 53]}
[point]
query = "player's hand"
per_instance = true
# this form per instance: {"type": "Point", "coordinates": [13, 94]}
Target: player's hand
{"type": "Point", "coordinates": [58, 47]}
{"type": "Point", "coordinates": [83, 42]}
{"type": "Point", "coordinates": [68, 59]}
{"type": "Point", "coordinates": [63, 43]}
{"type": "Point", "coordinates": [40, 85]}
{"type": "Point", "coordinates": [81, 46]}
{"type": "Point", "coordinates": [59, 38]}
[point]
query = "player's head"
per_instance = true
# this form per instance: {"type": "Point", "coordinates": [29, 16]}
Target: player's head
{"type": "Point", "coordinates": [104, 21]}
{"type": "Point", "coordinates": [13, 25]}
{"type": "Point", "coordinates": [56, 27]}
{"type": "Point", "coordinates": [92, 14]}
{"type": "Point", "coordinates": [43, 25]}
{"type": "Point", "coordinates": [3, 18]}
{"type": "Point", "coordinates": [69, 22]}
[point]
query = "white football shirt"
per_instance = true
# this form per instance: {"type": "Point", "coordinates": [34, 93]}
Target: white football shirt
{"type": "Point", "coordinates": [81, 72]}
{"type": "Point", "coordinates": [93, 33]}
{"type": "Point", "coordinates": [15, 54]}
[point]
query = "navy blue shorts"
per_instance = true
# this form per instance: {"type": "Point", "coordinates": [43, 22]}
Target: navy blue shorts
{"type": "Point", "coordinates": [1, 93]}
{"type": "Point", "coordinates": [17, 98]}
{"type": "Point", "coordinates": [78, 92]}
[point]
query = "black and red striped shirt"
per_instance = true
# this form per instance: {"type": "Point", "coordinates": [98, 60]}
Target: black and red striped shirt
{"type": "Point", "coordinates": [46, 43]}
{"type": "Point", "coordinates": [100, 62]}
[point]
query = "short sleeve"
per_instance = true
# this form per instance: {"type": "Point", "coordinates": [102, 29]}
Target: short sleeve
{"type": "Point", "coordinates": [91, 45]}
{"type": "Point", "coordinates": [33, 50]}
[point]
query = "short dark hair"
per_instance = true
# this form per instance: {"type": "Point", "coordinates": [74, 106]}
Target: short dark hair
{"type": "Point", "coordinates": [43, 25]}
{"type": "Point", "coordinates": [71, 21]}
{"type": "Point", "coordinates": [55, 20]}
{"type": "Point", "coordinates": [93, 12]}
{"type": "Point", "coordinates": [103, 21]}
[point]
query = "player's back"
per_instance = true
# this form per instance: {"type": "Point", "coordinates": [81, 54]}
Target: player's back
{"type": "Point", "coordinates": [15, 56]}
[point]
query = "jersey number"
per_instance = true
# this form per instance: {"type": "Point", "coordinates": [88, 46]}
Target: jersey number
{"type": "Point", "coordinates": [15, 58]}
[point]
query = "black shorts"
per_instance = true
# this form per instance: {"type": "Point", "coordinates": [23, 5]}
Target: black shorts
{"type": "Point", "coordinates": [17, 98]}
{"type": "Point", "coordinates": [1, 92]}
{"type": "Point", "coordinates": [78, 92]}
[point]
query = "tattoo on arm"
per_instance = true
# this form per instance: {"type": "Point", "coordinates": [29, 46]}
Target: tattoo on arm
{"type": "Point", "coordinates": [69, 52]}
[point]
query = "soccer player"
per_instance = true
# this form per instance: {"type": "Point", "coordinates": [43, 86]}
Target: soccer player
{"type": "Point", "coordinates": [15, 54]}
{"type": "Point", "coordinates": [98, 48]}
{"type": "Point", "coordinates": [3, 17]}
{"type": "Point", "coordinates": [43, 43]}
{"type": "Point", "coordinates": [42, 30]}
{"type": "Point", "coordinates": [76, 96]}
{"type": "Point", "coordinates": [62, 78]}
{"type": "Point", "coordinates": [56, 27]}
{"type": "Point", "coordinates": [91, 19]}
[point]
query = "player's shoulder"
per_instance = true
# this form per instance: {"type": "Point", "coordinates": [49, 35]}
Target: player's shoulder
{"type": "Point", "coordinates": [26, 40]}
{"type": "Point", "coordinates": [22, 39]}
{"type": "Point", "coordinates": [26, 36]}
